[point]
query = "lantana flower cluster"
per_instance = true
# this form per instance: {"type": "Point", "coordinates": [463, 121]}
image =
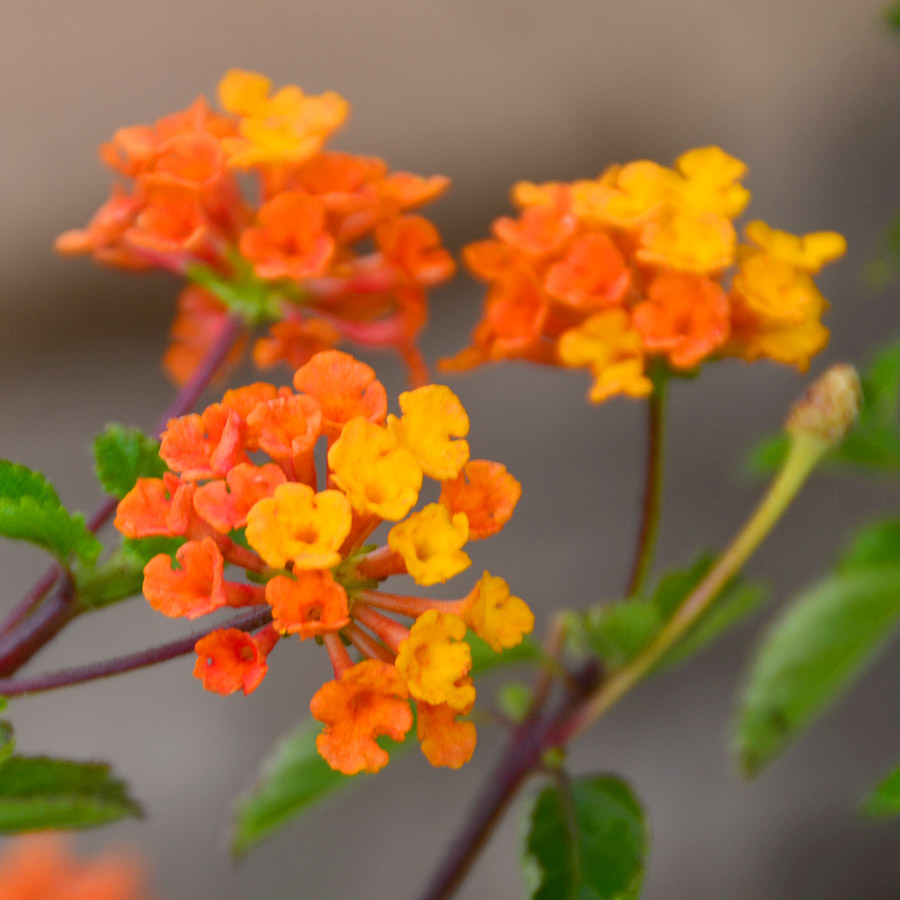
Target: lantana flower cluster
{"type": "Point", "coordinates": [642, 266]}
{"type": "Point", "coordinates": [243, 490]}
{"type": "Point", "coordinates": [251, 208]}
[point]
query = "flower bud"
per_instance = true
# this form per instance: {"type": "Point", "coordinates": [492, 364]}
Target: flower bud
{"type": "Point", "coordinates": [829, 407]}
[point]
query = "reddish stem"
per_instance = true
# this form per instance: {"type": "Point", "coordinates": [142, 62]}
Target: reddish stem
{"type": "Point", "coordinates": [11, 687]}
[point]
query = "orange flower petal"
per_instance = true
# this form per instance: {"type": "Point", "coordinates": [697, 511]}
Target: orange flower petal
{"type": "Point", "coordinates": [229, 660]}
{"type": "Point", "coordinates": [191, 591]}
{"type": "Point", "coordinates": [225, 503]}
{"type": "Point", "coordinates": [309, 604]}
{"type": "Point", "coordinates": [486, 493]}
{"type": "Point", "coordinates": [445, 741]}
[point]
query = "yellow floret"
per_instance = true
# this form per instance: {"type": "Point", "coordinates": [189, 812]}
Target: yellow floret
{"type": "Point", "coordinates": [379, 475]}
{"type": "Point", "coordinates": [432, 417]}
{"type": "Point", "coordinates": [430, 542]}
{"type": "Point", "coordinates": [495, 615]}
{"type": "Point", "coordinates": [298, 525]}
{"type": "Point", "coordinates": [808, 252]}
{"type": "Point", "coordinates": [434, 658]}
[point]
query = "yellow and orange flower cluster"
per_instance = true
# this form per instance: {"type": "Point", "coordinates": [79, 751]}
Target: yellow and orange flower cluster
{"type": "Point", "coordinates": [42, 867]}
{"type": "Point", "coordinates": [244, 490]}
{"type": "Point", "coordinates": [642, 264]}
{"type": "Point", "coordinates": [290, 253]}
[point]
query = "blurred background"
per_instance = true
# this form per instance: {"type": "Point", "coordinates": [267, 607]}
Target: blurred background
{"type": "Point", "coordinates": [805, 91]}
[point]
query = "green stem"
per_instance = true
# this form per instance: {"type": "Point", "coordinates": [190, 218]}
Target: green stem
{"type": "Point", "coordinates": [805, 452]}
{"type": "Point", "coordinates": [653, 474]}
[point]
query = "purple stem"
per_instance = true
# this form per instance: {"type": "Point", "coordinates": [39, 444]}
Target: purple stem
{"type": "Point", "coordinates": [182, 403]}
{"type": "Point", "coordinates": [11, 687]}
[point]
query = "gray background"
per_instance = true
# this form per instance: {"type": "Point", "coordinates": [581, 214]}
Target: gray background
{"type": "Point", "coordinates": [486, 92]}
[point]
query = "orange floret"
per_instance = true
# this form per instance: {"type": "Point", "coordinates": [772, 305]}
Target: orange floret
{"type": "Point", "coordinates": [688, 241]}
{"type": "Point", "coordinates": [344, 387]}
{"type": "Point", "coordinates": [432, 417]}
{"type": "Point", "coordinates": [156, 507]}
{"type": "Point", "coordinates": [225, 504]}
{"type": "Point", "coordinates": [435, 660]}
{"type": "Point", "coordinates": [486, 493]}
{"type": "Point", "coordinates": [369, 700]}
{"type": "Point", "coordinates": [230, 660]}
{"type": "Point", "coordinates": [685, 316]}
{"type": "Point", "coordinates": [539, 230]}
{"type": "Point", "coordinates": [298, 525]}
{"type": "Point", "coordinates": [430, 542]}
{"type": "Point", "coordinates": [591, 275]}
{"type": "Point", "coordinates": [294, 342]}
{"type": "Point", "coordinates": [309, 604]}
{"type": "Point", "coordinates": [42, 867]}
{"type": "Point", "coordinates": [414, 244]}
{"type": "Point", "coordinates": [445, 741]}
{"type": "Point", "coordinates": [243, 401]}
{"type": "Point", "coordinates": [204, 446]}
{"type": "Point", "coordinates": [290, 240]}
{"type": "Point", "coordinates": [495, 615]}
{"type": "Point", "coordinates": [287, 429]}
{"type": "Point", "coordinates": [193, 590]}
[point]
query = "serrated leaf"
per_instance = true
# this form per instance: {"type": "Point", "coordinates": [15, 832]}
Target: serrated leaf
{"type": "Point", "coordinates": [122, 455]}
{"type": "Point", "coordinates": [18, 481]}
{"type": "Point", "coordinates": [587, 840]}
{"type": "Point", "coordinates": [813, 651]}
{"type": "Point", "coordinates": [50, 527]}
{"type": "Point", "coordinates": [883, 800]}
{"type": "Point", "coordinates": [292, 779]}
{"type": "Point", "coordinates": [878, 544]}
{"type": "Point", "coordinates": [37, 792]}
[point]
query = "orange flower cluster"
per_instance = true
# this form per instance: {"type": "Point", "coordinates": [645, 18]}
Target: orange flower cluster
{"type": "Point", "coordinates": [243, 490]}
{"type": "Point", "coordinates": [638, 266]}
{"type": "Point", "coordinates": [290, 254]}
{"type": "Point", "coordinates": [41, 867]}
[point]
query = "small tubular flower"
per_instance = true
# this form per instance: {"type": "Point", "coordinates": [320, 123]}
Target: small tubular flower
{"type": "Point", "coordinates": [445, 740]}
{"type": "Point", "coordinates": [432, 417]}
{"type": "Point", "coordinates": [230, 660]}
{"type": "Point", "coordinates": [495, 615]}
{"type": "Point", "coordinates": [634, 272]}
{"type": "Point", "coordinates": [430, 542]}
{"type": "Point", "coordinates": [369, 700]}
{"type": "Point", "coordinates": [304, 554]}
{"type": "Point", "coordinates": [435, 660]}
{"type": "Point", "coordinates": [379, 475]}
{"type": "Point", "coordinates": [486, 493]}
{"type": "Point", "coordinates": [265, 223]}
{"type": "Point", "coordinates": [42, 866]}
{"type": "Point", "coordinates": [297, 524]}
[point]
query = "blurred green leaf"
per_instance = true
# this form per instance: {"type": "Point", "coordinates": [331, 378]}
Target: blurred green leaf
{"type": "Point", "coordinates": [768, 455]}
{"type": "Point", "coordinates": [292, 779]}
{"type": "Point", "coordinates": [587, 840]}
{"type": "Point", "coordinates": [877, 544]}
{"type": "Point", "coordinates": [892, 17]}
{"type": "Point", "coordinates": [813, 651]}
{"type": "Point", "coordinates": [37, 792]}
{"type": "Point", "coordinates": [7, 740]}
{"type": "Point", "coordinates": [122, 455]}
{"type": "Point", "coordinates": [617, 632]}
{"type": "Point", "coordinates": [515, 700]}
{"type": "Point", "coordinates": [118, 578]}
{"type": "Point", "coordinates": [883, 800]}
{"type": "Point", "coordinates": [485, 658]}
{"type": "Point", "coordinates": [885, 265]}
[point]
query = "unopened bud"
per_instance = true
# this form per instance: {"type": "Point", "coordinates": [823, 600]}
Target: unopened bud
{"type": "Point", "coordinates": [829, 407]}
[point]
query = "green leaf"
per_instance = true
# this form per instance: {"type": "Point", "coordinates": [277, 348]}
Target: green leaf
{"type": "Point", "coordinates": [515, 700]}
{"type": "Point", "coordinates": [144, 549]}
{"type": "Point", "coordinates": [892, 17]}
{"type": "Point", "coordinates": [7, 740]}
{"type": "Point", "coordinates": [884, 799]}
{"type": "Point", "coordinates": [17, 482]}
{"type": "Point", "coordinates": [813, 651]}
{"type": "Point", "coordinates": [485, 658]}
{"type": "Point", "coordinates": [293, 778]}
{"type": "Point", "coordinates": [122, 455]}
{"type": "Point", "coordinates": [617, 632]}
{"type": "Point", "coordinates": [878, 544]}
{"type": "Point", "coordinates": [119, 577]}
{"type": "Point", "coordinates": [50, 527]}
{"type": "Point", "coordinates": [37, 792]}
{"type": "Point", "coordinates": [587, 840]}
{"type": "Point", "coordinates": [768, 455]}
